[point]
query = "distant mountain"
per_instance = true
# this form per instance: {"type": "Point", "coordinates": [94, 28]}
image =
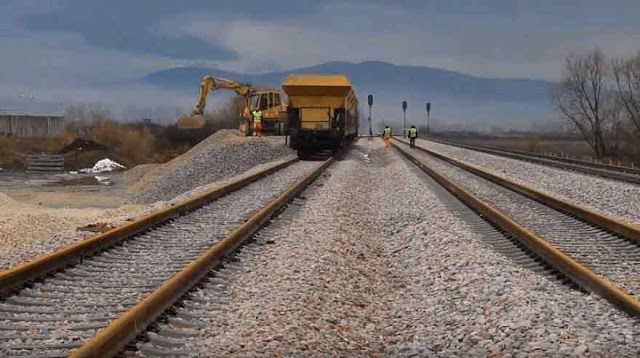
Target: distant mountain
{"type": "Point", "coordinates": [459, 100]}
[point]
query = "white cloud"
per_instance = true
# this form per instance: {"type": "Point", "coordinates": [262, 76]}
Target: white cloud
{"type": "Point", "coordinates": [63, 68]}
{"type": "Point", "coordinates": [482, 44]}
{"type": "Point", "coordinates": [130, 102]}
{"type": "Point", "coordinates": [56, 59]}
{"type": "Point", "coordinates": [46, 72]}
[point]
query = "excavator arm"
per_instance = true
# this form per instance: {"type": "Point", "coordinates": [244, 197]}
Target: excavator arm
{"type": "Point", "coordinates": [210, 83]}
{"type": "Point", "coordinates": [267, 100]}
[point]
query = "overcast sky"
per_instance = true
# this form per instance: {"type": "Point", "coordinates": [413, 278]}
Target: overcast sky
{"type": "Point", "coordinates": [66, 45]}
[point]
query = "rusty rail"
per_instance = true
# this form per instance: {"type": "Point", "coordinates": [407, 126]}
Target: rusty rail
{"type": "Point", "coordinates": [111, 339]}
{"type": "Point", "coordinates": [617, 226]}
{"type": "Point", "coordinates": [616, 172]}
{"type": "Point", "coordinates": [580, 274]}
{"type": "Point", "coordinates": [19, 275]}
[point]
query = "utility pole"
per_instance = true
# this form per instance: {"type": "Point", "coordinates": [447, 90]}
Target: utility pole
{"type": "Point", "coordinates": [404, 123]}
{"type": "Point", "coordinates": [428, 111]}
{"type": "Point", "coordinates": [370, 105]}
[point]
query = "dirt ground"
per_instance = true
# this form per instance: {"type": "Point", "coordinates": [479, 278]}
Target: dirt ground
{"type": "Point", "coordinates": [33, 207]}
{"type": "Point", "coordinates": [74, 190]}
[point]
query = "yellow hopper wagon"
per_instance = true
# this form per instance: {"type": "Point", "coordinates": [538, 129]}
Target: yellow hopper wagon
{"type": "Point", "coordinates": [322, 112]}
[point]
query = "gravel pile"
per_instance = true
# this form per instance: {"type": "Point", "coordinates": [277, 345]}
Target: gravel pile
{"type": "Point", "coordinates": [371, 263]}
{"type": "Point", "coordinates": [610, 197]}
{"type": "Point", "coordinates": [220, 156]}
{"type": "Point", "coordinates": [27, 231]}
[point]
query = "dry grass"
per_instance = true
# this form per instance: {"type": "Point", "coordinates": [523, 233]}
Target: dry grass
{"type": "Point", "coordinates": [573, 148]}
{"type": "Point", "coordinates": [13, 151]}
{"type": "Point", "coordinates": [131, 145]}
{"type": "Point", "coordinates": [128, 144]}
{"type": "Point", "coordinates": [577, 148]}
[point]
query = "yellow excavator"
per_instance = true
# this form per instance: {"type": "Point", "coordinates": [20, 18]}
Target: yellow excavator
{"type": "Point", "coordinates": [267, 100]}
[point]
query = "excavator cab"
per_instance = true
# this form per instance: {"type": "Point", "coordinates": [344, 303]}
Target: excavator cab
{"type": "Point", "coordinates": [264, 100]}
{"type": "Point", "coordinates": [270, 103]}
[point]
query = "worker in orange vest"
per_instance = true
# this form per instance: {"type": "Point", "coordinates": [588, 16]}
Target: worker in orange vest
{"type": "Point", "coordinates": [386, 135]}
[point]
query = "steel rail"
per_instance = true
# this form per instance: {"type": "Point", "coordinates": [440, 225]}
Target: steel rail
{"type": "Point", "coordinates": [21, 274]}
{"type": "Point", "coordinates": [615, 225]}
{"type": "Point", "coordinates": [580, 274]}
{"type": "Point", "coordinates": [616, 172]}
{"type": "Point", "coordinates": [111, 339]}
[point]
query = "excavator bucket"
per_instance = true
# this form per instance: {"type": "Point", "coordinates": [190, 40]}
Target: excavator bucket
{"type": "Point", "coordinates": [191, 122]}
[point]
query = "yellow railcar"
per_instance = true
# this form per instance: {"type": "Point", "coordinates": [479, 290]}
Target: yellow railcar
{"type": "Point", "coordinates": [322, 112]}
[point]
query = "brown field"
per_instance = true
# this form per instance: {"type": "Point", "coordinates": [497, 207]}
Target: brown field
{"type": "Point", "coordinates": [574, 148]}
{"type": "Point", "coordinates": [127, 143]}
{"type": "Point", "coordinates": [567, 147]}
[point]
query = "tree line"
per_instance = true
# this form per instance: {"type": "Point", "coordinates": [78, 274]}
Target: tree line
{"type": "Point", "coordinates": [601, 97]}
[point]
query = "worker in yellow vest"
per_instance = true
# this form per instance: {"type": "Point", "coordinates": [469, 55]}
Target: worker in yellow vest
{"type": "Point", "coordinates": [413, 134]}
{"type": "Point", "coordinates": [386, 135]}
{"type": "Point", "coordinates": [257, 123]}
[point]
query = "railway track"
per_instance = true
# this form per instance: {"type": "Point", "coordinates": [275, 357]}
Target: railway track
{"type": "Point", "coordinates": [174, 334]}
{"type": "Point", "coordinates": [620, 173]}
{"type": "Point", "coordinates": [600, 254]}
{"type": "Point", "coordinates": [92, 299]}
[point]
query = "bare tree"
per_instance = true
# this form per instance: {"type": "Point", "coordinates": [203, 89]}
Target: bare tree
{"type": "Point", "coordinates": [84, 117]}
{"type": "Point", "coordinates": [87, 113]}
{"type": "Point", "coordinates": [627, 76]}
{"type": "Point", "coordinates": [585, 97]}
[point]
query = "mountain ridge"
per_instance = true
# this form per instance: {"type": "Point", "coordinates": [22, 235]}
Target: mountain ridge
{"type": "Point", "coordinates": [360, 73]}
{"type": "Point", "coordinates": [512, 102]}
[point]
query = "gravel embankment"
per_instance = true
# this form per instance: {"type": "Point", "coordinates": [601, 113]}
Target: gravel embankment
{"type": "Point", "coordinates": [216, 158]}
{"type": "Point", "coordinates": [29, 232]}
{"type": "Point", "coordinates": [607, 196]}
{"type": "Point", "coordinates": [604, 253]}
{"type": "Point", "coordinates": [462, 299]}
{"type": "Point", "coordinates": [372, 264]}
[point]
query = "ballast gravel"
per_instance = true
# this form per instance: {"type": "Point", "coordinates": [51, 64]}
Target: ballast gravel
{"type": "Point", "coordinates": [118, 278]}
{"type": "Point", "coordinates": [471, 301]}
{"type": "Point", "coordinates": [319, 288]}
{"type": "Point", "coordinates": [603, 252]}
{"type": "Point", "coordinates": [610, 197]}
{"type": "Point", "coordinates": [210, 161]}
{"type": "Point", "coordinates": [372, 264]}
